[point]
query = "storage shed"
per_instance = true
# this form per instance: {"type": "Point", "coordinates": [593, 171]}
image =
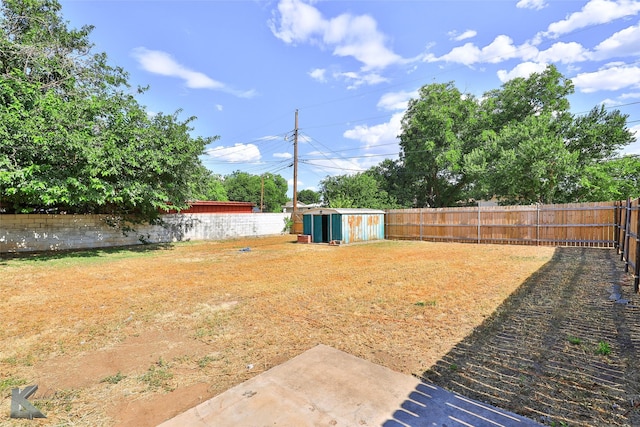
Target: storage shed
{"type": "Point", "coordinates": [343, 225]}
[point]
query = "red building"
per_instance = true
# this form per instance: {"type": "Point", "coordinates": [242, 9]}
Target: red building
{"type": "Point", "coordinates": [200, 207]}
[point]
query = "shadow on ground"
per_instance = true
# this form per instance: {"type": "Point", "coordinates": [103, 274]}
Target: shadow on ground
{"type": "Point", "coordinates": [82, 253]}
{"type": "Point", "coordinates": [429, 405]}
{"type": "Point", "coordinates": [563, 350]}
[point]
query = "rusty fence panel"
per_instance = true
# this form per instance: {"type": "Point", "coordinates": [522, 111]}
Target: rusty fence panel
{"type": "Point", "coordinates": [575, 224]}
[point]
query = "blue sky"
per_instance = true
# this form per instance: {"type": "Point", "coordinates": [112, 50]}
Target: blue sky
{"type": "Point", "coordinates": [349, 67]}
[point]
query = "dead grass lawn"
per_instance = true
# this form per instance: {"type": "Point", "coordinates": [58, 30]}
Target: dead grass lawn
{"type": "Point", "coordinates": [136, 336]}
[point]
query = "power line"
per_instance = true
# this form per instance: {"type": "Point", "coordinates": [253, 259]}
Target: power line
{"type": "Point", "coordinates": [366, 156]}
{"type": "Point", "coordinates": [608, 107]}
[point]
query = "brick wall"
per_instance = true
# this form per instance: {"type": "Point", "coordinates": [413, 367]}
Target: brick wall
{"type": "Point", "coordinates": [39, 232]}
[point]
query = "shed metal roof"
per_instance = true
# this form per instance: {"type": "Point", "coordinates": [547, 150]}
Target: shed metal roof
{"type": "Point", "coordinates": [343, 211]}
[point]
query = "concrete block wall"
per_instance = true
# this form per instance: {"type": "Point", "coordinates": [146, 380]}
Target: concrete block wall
{"type": "Point", "coordinates": [222, 226]}
{"type": "Point", "coordinates": [41, 232]}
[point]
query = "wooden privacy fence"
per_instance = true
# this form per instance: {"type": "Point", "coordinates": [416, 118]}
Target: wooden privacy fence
{"type": "Point", "coordinates": [600, 224]}
{"type": "Point", "coordinates": [627, 241]}
{"type": "Point", "coordinates": [575, 224]}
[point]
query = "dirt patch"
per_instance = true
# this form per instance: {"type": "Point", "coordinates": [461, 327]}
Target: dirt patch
{"type": "Point", "coordinates": [136, 336]}
{"type": "Point", "coordinates": [563, 350]}
{"type": "Point", "coordinates": [144, 349]}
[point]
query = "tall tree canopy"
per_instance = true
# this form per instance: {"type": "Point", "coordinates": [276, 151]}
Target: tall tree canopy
{"type": "Point", "coordinates": [616, 179]}
{"type": "Point", "coordinates": [393, 178]}
{"type": "Point", "coordinates": [529, 163]}
{"type": "Point", "coordinates": [308, 196]}
{"type": "Point", "coordinates": [354, 191]}
{"type": "Point", "coordinates": [269, 188]}
{"type": "Point", "coordinates": [518, 144]}
{"type": "Point", "coordinates": [72, 135]}
{"type": "Point", "coordinates": [437, 132]}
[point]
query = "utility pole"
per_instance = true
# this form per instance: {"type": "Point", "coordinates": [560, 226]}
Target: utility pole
{"type": "Point", "coordinates": [295, 168]}
{"type": "Point", "coordinates": [262, 193]}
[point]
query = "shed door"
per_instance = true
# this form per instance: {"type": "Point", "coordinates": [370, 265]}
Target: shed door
{"type": "Point", "coordinates": [317, 229]}
{"type": "Point", "coordinates": [306, 224]}
{"type": "Point", "coordinates": [336, 227]}
{"type": "Point", "coordinates": [321, 228]}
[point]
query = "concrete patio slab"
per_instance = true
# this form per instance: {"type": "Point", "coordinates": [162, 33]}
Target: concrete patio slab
{"type": "Point", "coordinates": [327, 387]}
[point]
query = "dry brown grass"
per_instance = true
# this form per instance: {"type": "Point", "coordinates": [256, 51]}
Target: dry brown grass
{"type": "Point", "coordinates": [134, 336]}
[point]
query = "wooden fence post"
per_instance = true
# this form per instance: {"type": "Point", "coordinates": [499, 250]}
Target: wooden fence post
{"type": "Point", "coordinates": [636, 272]}
{"type": "Point", "coordinates": [479, 231]}
{"type": "Point", "coordinates": [617, 219]}
{"type": "Point", "coordinates": [537, 224]}
{"type": "Point", "coordinates": [625, 237]}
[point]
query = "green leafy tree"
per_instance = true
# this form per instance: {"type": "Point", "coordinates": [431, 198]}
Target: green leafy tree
{"type": "Point", "coordinates": [354, 191]}
{"type": "Point", "coordinates": [395, 179]}
{"type": "Point", "coordinates": [270, 188]}
{"type": "Point", "coordinates": [529, 163]}
{"type": "Point", "coordinates": [519, 98]}
{"type": "Point", "coordinates": [533, 150]}
{"type": "Point", "coordinates": [242, 187]}
{"type": "Point", "coordinates": [518, 144]}
{"type": "Point", "coordinates": [437, 132]}
{"type": "Point", "coordinates": [72, 135]}
{"type": "Point", "coordinates": [209, 186]}
{"type": "Point", "coordinates": [598, 136]}
{"type": "Point", "coordinates": [615, 179]}
{"type": "Point", "coordinates": [308, 197]}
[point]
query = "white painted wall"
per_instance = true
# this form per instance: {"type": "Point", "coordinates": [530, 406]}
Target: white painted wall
{"type": "Point", "coordinates": [40, 232]}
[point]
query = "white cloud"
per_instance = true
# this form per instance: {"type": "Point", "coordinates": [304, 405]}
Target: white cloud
{"type": "Point", "coordinates": [283, 155]}
{"type": "Point", "coordinates": [239, 153]}
{"type": "Point", "coordinates": [355, 80]}
{"type": "Point", "coordinates": [531, 4]}
{"type": "Point", "coordinates": [159, 62]}
{"type": "Point", "coordinates": [358, 36]}
{"type": "Point", "coordinates": [633, 95]}
{"type": "Point", "coordinates": [219, 107]}
{"type": "Point", "coordinates": [468, 54]}
{"type": "Point", "coordinates": [393, 101]}
{"type": "Point", "coordinates": [634, 147]}
{"type": "Point", "coordinates": [318, 74]}
{"type": "Point", "coordinates": [327, 163]}
{"type": "Point", "coordinates": [566, 53]}
{"type": "Point", "coordinates": [622, 99]}
{"type": "Point", "coordinates": [348, 35]}
{"type": "Point", "coordinates": [162, 63]}
{"type": "Point", "coordinates": [290, 184]}
{"type": "Point", "coordinates": [270, 138]}
{"type": "Point", "coordinates": [524, 69]}
{"type": "Point", "coordinates": [614, 76]}
{"type": "Point", "coordinates": [469, 34]}
{"type": "Point", "coordinates": [500, 49]}
{"type": "Point", "coordinates": [384, 133]}
{"type": "Point", "coordinates": [623, 43]}
{"type": "Point", "coordinates": [593, 13]}
{"type": "Point", "coordinates": [298, 21]}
